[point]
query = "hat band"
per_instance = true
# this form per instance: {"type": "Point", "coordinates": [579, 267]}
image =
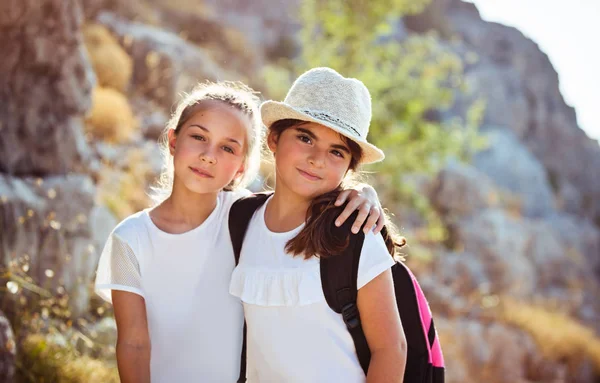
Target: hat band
{"type": "Point", "coordinates": [334, 120]}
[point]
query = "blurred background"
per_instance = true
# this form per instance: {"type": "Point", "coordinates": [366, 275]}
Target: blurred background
{"type": "Point", "coordinates": [488, 173]}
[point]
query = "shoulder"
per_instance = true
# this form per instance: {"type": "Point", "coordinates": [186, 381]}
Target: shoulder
{"type": "Point", "coordinates": [374, 258]}
{"type": "Point", "coordinates": [128, 229]}
{"type": "Point", "coordinates": [374, 242]}
{"type": "Point", "coordinates": [249, 200]}
{"type": "Point", "coordinates": [227, 198]}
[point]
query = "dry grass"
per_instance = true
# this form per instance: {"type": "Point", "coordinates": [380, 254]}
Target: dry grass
{"type": "Point", "coordinates": [196, 7]}
{"type": "Point", "coordinates": [559, 337]}
{"type": "Point", "coordinates": [52, 346]}
{"type": "Point", "coordinates": [111, 118]}
{"type": "Point", "coordinates": [112, 64]}
{"type": "Point", "coordinates": [41, 360]}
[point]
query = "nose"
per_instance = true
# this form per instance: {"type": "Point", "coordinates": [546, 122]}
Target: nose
{"type": "Point", "coordinates": [208, 157]}
{"type": "Point", "coordinates": [317, 159]}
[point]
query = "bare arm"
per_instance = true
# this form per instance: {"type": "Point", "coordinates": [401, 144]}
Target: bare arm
{"type": "Point", "coordinates": [364, 199]}
{"type": "Point", "coordinates": [133, 339]}
{"type": "Point", "coordinates": [383, 330]}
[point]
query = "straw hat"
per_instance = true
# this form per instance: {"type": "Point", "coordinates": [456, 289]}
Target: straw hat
{"type": "Point", "coordinates": [324, 96]}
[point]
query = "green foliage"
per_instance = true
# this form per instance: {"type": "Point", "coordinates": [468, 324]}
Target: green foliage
{"type": "Point", "coordinates": [44, 360]}
{"type": "Point", "coordinates": [411, 82]}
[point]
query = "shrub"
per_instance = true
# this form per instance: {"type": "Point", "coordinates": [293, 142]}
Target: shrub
{"type": "Point", "coordinates": [111, 117]}
{"type": "Point", "coordinates": [42, 360]}
{"type": "Point", "coordinates": [112, 64]}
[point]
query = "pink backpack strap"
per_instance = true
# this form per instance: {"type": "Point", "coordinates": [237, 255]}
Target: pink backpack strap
{"type": "Point", "coordinates": [436, 358]}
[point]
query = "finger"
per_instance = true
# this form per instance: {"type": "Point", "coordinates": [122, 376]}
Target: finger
{"type": "Point", "coordinates": [352, 205]}
{"type": "Point", "coordinates": [360, 219]}
{"type": "Point", "coordinates": [374, 214]}
{"type": "Point", "coordinates": [380, 222]}
{"type": "Point", "coordinates": [342, 197]}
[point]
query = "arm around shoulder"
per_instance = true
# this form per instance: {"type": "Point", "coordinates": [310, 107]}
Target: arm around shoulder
{"type": "Point", "coordinates": [133, 338]}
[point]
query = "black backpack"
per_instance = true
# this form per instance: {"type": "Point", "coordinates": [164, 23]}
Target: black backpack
{"type": "Point", "coordinates": [425, 362]}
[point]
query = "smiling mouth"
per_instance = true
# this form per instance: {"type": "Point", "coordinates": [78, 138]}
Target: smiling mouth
{"type": "Point", "coordinates": [201, 173]}
{"type": "Point", "coordinates": [308, 175]}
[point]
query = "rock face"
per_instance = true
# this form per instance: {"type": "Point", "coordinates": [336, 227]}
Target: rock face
{"type": "Point", "coordinates": [46, 230]}
{"type": "Point", "coordinates": [479, 352]}
{"type": "Point", "coordinates": [44, 67]}
{"type": "Point", "coordinates": [164, 64]}
{"type": "Point", "coordinates": [521, 87]}
{"type": "Point", "coordinates": [45, 197]}
{"type": "Point", "coordinates": [268, 25]}
{"type": "Point", "coordinates": [8, 350]}
{"type": "Point", "coordinates": [516, 170]}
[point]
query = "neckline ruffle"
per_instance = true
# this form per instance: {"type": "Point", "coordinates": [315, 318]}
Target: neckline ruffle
{"type": "Point", "coordinates": [277, 287]}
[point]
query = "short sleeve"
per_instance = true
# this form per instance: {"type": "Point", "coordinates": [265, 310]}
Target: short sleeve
{"type": "Point", "coordinates": [374, 259]}
{"type": "Point", "coordinates": [118, 269]}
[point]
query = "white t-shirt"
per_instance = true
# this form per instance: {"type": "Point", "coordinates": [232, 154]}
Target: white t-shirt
{"type": "Point", "coordinates": [293, 335]}
{"type": "Point", "coordinates": [195, 325]}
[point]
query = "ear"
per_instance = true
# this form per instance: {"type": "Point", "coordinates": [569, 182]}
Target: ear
{"type": "Point", "coordinates": [240, 172]}
{"type": "Point", "coordinates": [272, 139]}
{"type": "Point", "coordinates": [172, 138]}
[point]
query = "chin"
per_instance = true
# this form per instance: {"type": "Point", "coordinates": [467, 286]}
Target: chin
{"type": "Point", "coordinates": [203, 188]}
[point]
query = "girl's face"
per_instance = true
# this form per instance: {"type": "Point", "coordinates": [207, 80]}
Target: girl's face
{"type": "Point", "coordinates": [208, 151]}
{"type": "Point", "coordinates": [310, 159]}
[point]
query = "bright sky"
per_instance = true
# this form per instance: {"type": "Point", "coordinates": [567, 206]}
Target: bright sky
{"type": "Point", "coordinates": [568, 31]}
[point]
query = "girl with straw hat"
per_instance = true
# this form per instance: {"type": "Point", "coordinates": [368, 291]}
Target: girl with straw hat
{"type": "Point", "coordinates": [318, 136]}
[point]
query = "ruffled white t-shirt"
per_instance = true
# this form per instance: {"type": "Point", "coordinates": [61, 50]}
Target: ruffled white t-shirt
{"type": "Point", "coordinates": [195, 325]}
{"type": "Point", "coordinates": [293, 335]}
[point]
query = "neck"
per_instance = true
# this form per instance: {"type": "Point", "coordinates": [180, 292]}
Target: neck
{"type": "Point", "coordinates": [185, 209]}
{"type": "Point", "coordinates": [286, 210]}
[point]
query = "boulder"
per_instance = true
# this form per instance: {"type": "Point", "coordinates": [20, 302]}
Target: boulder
{"type": "Point", "coordinates": [44, 67]}
{"type": "Point", "coordinates": [461, 189]}
{"type": "Point", "coordinates": [46, 233]}
{"type": "Point", "coordinates": [500, 243]}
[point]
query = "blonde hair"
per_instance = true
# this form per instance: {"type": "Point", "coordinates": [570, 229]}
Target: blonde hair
{"type": "Point", "coordinates": [235, 94]}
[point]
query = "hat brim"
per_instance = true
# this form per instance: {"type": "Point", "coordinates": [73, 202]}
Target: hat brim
{"type": "Point", "coordinates": [272, 111]}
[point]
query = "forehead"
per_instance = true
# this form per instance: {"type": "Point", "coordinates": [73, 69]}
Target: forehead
{"type": "Point", "coordinates": [219, 117]}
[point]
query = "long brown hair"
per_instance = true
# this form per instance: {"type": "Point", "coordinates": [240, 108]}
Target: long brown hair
{"type": "Point", "coordinates": [316, 239]}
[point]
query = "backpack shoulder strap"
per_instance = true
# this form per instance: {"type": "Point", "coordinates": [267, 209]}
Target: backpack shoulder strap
{"type": "Point", "coordinates": [410, 311]}
{"type": "Point", "coordinates": [339, 275]}
{"type": "Point", "coordinates": [240, 214]}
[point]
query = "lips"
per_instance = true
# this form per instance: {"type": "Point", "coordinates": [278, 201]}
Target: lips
{"type": "Point", "coordinates": [308, 175]}
{"type": "Point", "coordinates": [201, 172]}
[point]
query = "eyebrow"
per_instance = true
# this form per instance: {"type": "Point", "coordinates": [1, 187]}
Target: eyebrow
{"type": "Point", "coordinates": [233, 140]}
{"type": "Point", "coordinates": [314, 137]}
